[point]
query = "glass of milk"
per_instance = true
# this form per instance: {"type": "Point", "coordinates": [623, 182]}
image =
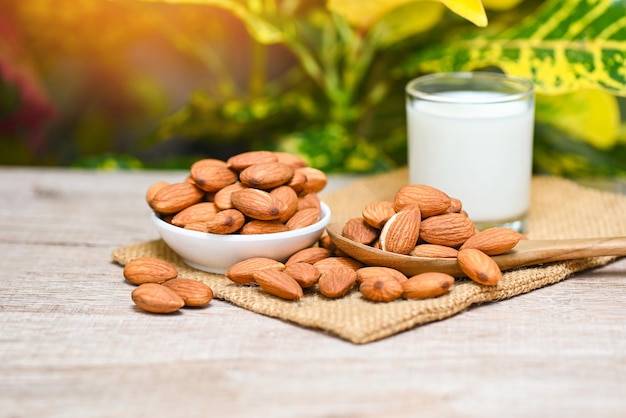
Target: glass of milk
{"type": "Point", "coordinates": [471, 136]}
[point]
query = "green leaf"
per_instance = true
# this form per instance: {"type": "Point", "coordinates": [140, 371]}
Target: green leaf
{"type": "Point", "coordinates": [564, 46]}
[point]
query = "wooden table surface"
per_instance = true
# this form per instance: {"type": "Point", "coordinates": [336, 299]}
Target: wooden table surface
{"type": "Point", "coordinates": [72, 344]}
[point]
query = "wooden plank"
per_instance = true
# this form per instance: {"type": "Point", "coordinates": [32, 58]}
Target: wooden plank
{"type": "Point", "coordinates": [73, 344]}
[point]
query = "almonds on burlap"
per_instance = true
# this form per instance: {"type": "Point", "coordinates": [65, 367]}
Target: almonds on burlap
{"type": "Point", "coordinates": [336, 282]}
{"type": "Point", "coordinates": [279, 284]}
{"type": "Point", "coordinates": [377, 213]}
{"type": "Point", "coordinates": [309, 255]}
{"type": "Point", "coordinates": [372, 272]}
{"type": "Point", "coordinates": [382, 288]}
{"type": "Point", "coordinates": [401, 231]}
{"type": "Point", "coordinates": [193, 292]}
{"type": "Point", "coordinates": [434, 251]}
{"type": "Point", "coordinates": [175, 197]}
{"type": "Point", "coordinates": [427, 285]}
{"type": "Point", "coordinates": [479, 266]}
{"type": "Point", "coordinates": [156, 298]}
{"type": "Point", "coordinates": [243, 271]}
{"type": "Point", "coordinates": [450, 229]}
{"type": "Point", "coordinates": [494, 241]}
{"type": "Point", "coordinates": [431, 201]}
{"type": "Point", "coordinates": [356, 229]}
{"type": "Point", "coordinates": [305, 274]}
{"type": "Point", "coordinates": [149, 270]}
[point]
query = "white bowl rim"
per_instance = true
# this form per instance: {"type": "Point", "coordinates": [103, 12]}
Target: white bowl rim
{"type": "Point", "coordinates": [326, 213]}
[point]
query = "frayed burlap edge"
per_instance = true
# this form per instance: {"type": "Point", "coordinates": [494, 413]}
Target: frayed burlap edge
{"type": "Point", "coordinates": [559, 209]}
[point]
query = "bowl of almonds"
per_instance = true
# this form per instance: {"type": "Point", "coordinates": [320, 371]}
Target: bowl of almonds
{"type": "Point", "coordinates": [254, 204]}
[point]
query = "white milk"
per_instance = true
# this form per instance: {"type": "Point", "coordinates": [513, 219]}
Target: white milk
{"type": "Point", "coordinates": [479, 153]}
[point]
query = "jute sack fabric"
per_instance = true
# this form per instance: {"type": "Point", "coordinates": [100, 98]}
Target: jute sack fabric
{"type": "Point", "coordinates": [559, 209]}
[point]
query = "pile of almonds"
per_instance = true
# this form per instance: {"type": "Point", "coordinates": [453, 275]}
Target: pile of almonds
{"type": "Point", "coordinates": [421, 221]}
{"type": "Point", "coordinates": [160, 289]}
{"type": "Point", "coordinates": [256, 192]}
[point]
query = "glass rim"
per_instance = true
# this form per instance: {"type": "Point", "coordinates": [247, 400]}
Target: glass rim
{"type": "Point", "coordinates": [524, 89]}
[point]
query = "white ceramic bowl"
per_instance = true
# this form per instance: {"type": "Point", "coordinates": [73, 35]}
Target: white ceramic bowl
{"type": "Point", "coordinates": [216, 253]}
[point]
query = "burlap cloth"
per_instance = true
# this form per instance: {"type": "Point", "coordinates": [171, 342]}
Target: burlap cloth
{"type": "Point", "coordinates": [559, 209]}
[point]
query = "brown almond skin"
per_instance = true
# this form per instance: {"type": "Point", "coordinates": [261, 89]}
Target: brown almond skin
{"type": "Point", "coordinates": [255, 227]}
{"type": "Point", "coordinates": [257, 204]}
{"type": "Point", "coordinates": [156, 298]}
{"type": "Point", "coordinates": [290, 159]}
{"type": "Point", "coordinates": [493, 241]}
{"type": "Point", "coordinates": [149, 270]}
{"type": "Point", "coordinates": [316, 180]}
{"type": "Point", "coordinates": [303, 218]}
{"type": "Point", "coordinates": [431, 201]}
{"type": "Point", "coordinates": [222, 198]}
{"type": "Point", "coordinates": [357, 230]}
{"type": "Point", "coordinates": [449, 229]}
{"type": "Point", "coordinates": [336, 282]}
{"type": "Point", "coordinates": [374, 272]}
{"type": "Point", "coordinates": [279, 284]}
{"type": "Point", "coordinates": [243, 271]}
{"type": "Point", "coordinates": [381, 289]}
{"type": "Point", "coordinates": [266, 176]}
{"type": "Point", "coordinates": [401, 231]}
{"type": "Point", "coordinates": [309, 255]}
{"type": "Point", "coordinates": [154, 189]}
{"type": "Point", "coordinates": [244, 160]}
{"type": "Point", "coordinates": [427, 285]}
{"type": "Point", "coordinates": [377, 213]}
{"type": "Point", "coordinates": [334, 262]}
{"type": "Point", "coordinates": [212, 177]}
{"type": "Point", "coordinates": [226, 221]}
{"type": "Point", "coordinates": [198, 212]}
{"type": "Point", "coordinates": [193, 292]}
{"type": "Point", "coordinates": [305, 274]}
{"type": "Point", "coordinates": [479, 267]}
{"type": "Point", "coordinates": [434, 251]}
{"type": "Point", "coordinates": [175, 197]}
{"type": "Point", "coordinates": [288, 199]}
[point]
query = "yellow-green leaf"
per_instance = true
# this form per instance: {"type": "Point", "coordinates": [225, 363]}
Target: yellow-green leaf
{"type": "Point", "coordinates": [500, 4]}
{"type": "Point", "coordinates": [471, 10]}
{"type": "Point", "coordinates": [591, 115]}
{"type": "Point", "coordinates": [408, 20]}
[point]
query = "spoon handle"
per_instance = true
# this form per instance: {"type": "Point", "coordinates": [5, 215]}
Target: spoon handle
{"type": "Point", "coordinates": [531, 252]}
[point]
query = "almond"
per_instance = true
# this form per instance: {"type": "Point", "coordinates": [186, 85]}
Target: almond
{"type": "Point", "coordinates": [356, 229]}
{"type": "Point", "coordinates": [382, 288]}
{"type": "Point", "coordinates": [156, 298]}
{"type": "Point", "coordinates": [222, 198]}
{"type": "Point", "coordinates": [309, 255]}
{"type": "Point", "coordinates": [242, 272]}
{"type": "Point", "coordinates": [193, 292]}
{"type": "Point", "coordinates": [305, 274]}
{"type": "Point", "coordinates": [493, 241]}
{"type": "Point", "coordinates": [257, 204]}
{"type": "Point", "coordinates": [226, 222]}
{"type": "Point", "coordinates": [455, 205]}
{"type": "Point", "coordinates": [290, 159]}
{"type": "Point", "coordinates": [154, 189]}
{"type": "Point", "coordinates": [197, 226]}
{"type": "Point", "coordinates": [449, 229]}
{"type": "Point", "coordinates": [366, 273]}
{"type": "Point", "coordinates": [149, 270]}
{"type": "Point", "coordinates": [244, 160]}
{"type": "Point", "coordinates": [255, 227]}
{"type": "Point", "coordinates": [479, 267]}
{"type": "Point", "coordinates": [175, 197]}
{"type": "Point", "coordinates": [431, 201]}
{"type": "Point", "coordinates": [336, 282]}
{"type": "Point", "coordinates": [327, 243]}
{"type": "Point", "coordinates": [198, 212]}
{"type": "Point", "coordinates": [377, 213]}
{"type": "Point", "coordinates": [315, 180]}
{"type": "Point", "coordinates": [434, 251]}
{"type": "Point", "coordinates": [210, 176]}
{"type": "Point", "coordinates": [310, 200]}
{"type": "Point", "coordinates": [266, 176]}
{"type": "Point", "coordinates": [297, 182]}
{"type": "Point", "coordinates": [279, 284]}
{"type": "Point", "coordinates": [401, 231]}
{"type": "Point", "coordinates": [303, 218]}
{"type": "Point", "coordinates": [427, 285]}
{"type": "Point", "coordinates": [288, 199]}
{"type": "Point", "coordinates": [334, 262]}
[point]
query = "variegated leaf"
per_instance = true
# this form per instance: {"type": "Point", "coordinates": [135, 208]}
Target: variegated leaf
{"type": "Point", "coordinates": [566, 45]}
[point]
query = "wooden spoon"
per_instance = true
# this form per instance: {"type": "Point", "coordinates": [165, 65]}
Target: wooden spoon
{"type": "Point", "coordinates": [526, 253]}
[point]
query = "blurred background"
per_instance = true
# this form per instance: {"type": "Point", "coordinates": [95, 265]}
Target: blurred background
{"type": "Point", "coordinates": [160, 84]}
